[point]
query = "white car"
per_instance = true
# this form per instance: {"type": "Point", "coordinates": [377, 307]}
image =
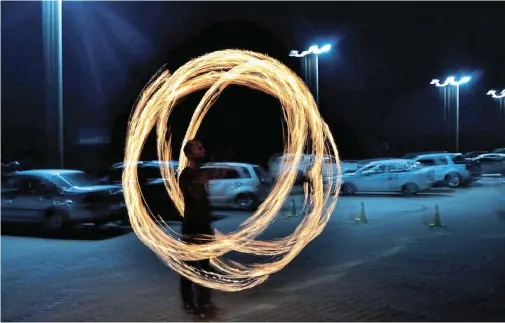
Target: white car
{"type": "Point", "coordinates": [278, 162]}
{"type": "Point", "coordinates": [239, 185]}
{"type": "Point", "coordinates": [450, 169]}
{"type": "Point", "coordinates": [395, 175]}
{"type": "Point", "coordinates": [55, 198]}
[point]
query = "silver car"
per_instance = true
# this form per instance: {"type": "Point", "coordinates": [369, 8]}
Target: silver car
{"type": "Point", "coordinates": [239, 185]}
{"type": "Point", "coordinates": [56, 198]}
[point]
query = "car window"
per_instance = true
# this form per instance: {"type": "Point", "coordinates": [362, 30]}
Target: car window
{"type": "Point", "coordinates": [221, 173]}
{"type": "Point", "coordinates": [366, 168]}
{"type": "Point", "coordinates": [443, 161]}
{"type": "Point", "coordinates": [11, 183]}
{"type": "Point", "coordinates": [427, 161]}
{"type": "Point", "coordinates": [379, 169]}
{"type": "Point", "coordinates": [231, 174]}
{"type": "Point", "coordinates": [458, 159]}
{"type": "Point", "coordinates": [398, 167]}
{"type": "Point", "coordinates": [246, 172]}
{"type": "Point", "coordinates": [31, 185]}
{"type": "Point", "coordinates": [213, 173]}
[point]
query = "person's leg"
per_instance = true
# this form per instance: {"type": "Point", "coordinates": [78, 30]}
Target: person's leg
{"type": "Point", "coordinates": [187, 292]}
{"type": "Point", "coordinates": [203, 293]}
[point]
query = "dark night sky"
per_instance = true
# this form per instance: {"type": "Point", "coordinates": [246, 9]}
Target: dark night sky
{"type": "Point", "coordinates": [374, 85]}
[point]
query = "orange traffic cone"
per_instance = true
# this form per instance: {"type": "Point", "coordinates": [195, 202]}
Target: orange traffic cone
{"type": "Point", "coordinates": [437, 222]}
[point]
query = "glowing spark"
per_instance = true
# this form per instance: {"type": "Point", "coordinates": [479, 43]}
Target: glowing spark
{"type": "Point", "coordinates": [451, 80]}
{"type": "Point", "coordinates": [304, 124]}
{"type": "Point", "coordinates": [496, 96]}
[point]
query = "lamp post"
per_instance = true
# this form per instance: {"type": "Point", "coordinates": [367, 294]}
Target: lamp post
{"type": "Point", "coordinates": [451, 81]}
{"type": "Point", "coordinates": [310, 66]}
{"type": "Point", "coordinates": [53, 58]}
{"type": "Point", "coordinates": [501, 99]}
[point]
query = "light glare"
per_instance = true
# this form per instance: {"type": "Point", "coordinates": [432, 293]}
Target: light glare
{"type": "Point", "coordinates": [451, 80]}
{"type": "Point", "coordinates": [496, 96]}
{"type": "Point", "coordinates": [314, 49]}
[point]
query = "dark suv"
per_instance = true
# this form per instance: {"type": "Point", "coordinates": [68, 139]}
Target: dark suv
{"type": "Point", "coordinates": [153, 188]}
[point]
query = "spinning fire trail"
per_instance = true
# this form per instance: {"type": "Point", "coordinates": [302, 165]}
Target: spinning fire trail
{"type": "Point", "coordinates": [214, 72]}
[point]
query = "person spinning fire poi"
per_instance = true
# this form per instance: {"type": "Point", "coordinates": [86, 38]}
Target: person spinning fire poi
{"type": "Point", "coordinates": [196, 222]}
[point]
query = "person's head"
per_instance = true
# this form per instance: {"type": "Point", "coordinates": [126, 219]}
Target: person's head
{"type": "Point", "coordinates": [194, 150]}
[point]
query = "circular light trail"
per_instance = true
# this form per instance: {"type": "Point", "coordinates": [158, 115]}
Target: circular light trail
{"type": "Point", "coordinates": [305, 125]}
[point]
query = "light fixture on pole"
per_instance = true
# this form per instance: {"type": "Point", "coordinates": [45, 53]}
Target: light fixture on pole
{"type": "Point", "coordinates": [451, 81]}
{"type": "Point", "coordinates": [310, 66]}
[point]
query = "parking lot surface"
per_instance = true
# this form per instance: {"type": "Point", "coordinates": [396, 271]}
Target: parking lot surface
{"type": "Point", "coordinates": [395, 268]}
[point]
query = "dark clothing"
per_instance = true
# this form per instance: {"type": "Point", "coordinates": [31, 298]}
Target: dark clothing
{"type": "Point", "coordinates": [202, 293]}
{"type": "Point", "coordinates": [197, 211]}
{"type": "Point", "coordinates": [196, 221]}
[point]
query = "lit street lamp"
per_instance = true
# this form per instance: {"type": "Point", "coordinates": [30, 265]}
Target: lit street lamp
{"type": "Point", "coordinates": [310, 66]}
{"type": "Point", "coordinates": [451, 81]}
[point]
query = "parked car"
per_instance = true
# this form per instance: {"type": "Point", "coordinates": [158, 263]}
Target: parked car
{"type": "Point", "coordinates": [147, 171]}
{"type": "Point", "coordinates": [472, 154]}
{"type": "Point", "coordinates": [492, 163]}
{"type": "Point", "coordinates": [451, 169]}
{"type": "Point", "coordinates": [395, 175]}
{"type": "Point", "coordinates": [56, 198]}
{"type": "Point", "coordinates": [498, 151]}
{"type": "Point", "coordinates": [239, 185]}
{"type": "Point", "coordinates": [414, 155]}
{"type": "Point", "coordinates": [152, 185]}
{"type": "Point", "coordinates": [278, 162]}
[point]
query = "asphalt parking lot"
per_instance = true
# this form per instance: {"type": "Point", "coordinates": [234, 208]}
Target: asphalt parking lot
{"type": "Point", "coordinates": [395, 267]}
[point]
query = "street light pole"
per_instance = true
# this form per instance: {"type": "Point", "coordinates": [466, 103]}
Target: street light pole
{"type": "Point", "coordinates": [451, 80]}
{"type": "Point", "coordinates": [310, 67]}
{"type": "Point", "coordinates": [457, 118]}
{"type": "Point", "coordinates": [53, 52]}
{"type": "Point", "coordinates": [501, 100]}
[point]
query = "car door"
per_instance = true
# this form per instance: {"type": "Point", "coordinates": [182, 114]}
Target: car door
{"type": "Point", "coordinates": [439, 169]}
{"type": "Point", "coordinates": [397, 176]}
{"type": "Point", "coordinates": [375, 180]}
{"type": "Point", "coordinates": [36, 197]}
{"type": "Point", "coordinates": [220, 180]}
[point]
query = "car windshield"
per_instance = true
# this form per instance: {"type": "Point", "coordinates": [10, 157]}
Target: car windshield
{"type": "Point", "coordinates": [74, 180]}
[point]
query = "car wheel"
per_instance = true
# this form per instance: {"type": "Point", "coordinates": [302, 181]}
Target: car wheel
{"type": "Point", "coordinates": [410, 189]}
{"type": "Point", "coordinates": [54, 221]}
{"type": "Point", "coordinates": [453, 179]}
{"type": "Point", "coordinates": [348, 189]}
{"type": "Point", "coordinates": [246, 201]}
